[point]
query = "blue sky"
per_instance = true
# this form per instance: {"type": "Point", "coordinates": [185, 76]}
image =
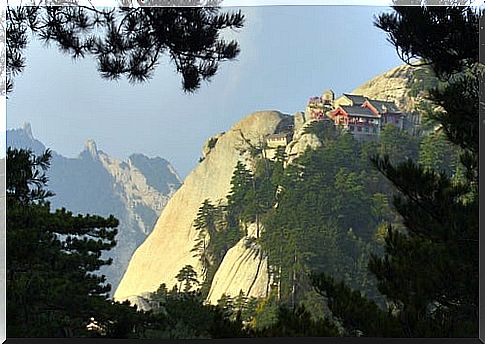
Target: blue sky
{"type": "Point", "coordinates": [288, 54]}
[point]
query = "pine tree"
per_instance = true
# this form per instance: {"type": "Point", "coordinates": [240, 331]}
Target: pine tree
{"type": "Point", "coordinates": [443, 37]}
{"type": "Point", "coordinates": [226, 303]}
{"type": "Point", "coordinates": [397, 144]}
{"type": "Point", "coordinates": [429, 272]}
{"type": "Point", "coordinates": [296, 323]}
{"type": "Point", "coordinates": [437, 257]}
{"type": "Point", "coordinates": [53, 286]}
{"type": "Point", "coordinates": [241, 196]}
{"type": "Point", "coordinates": [241, 185]}
{"type": "Point", "coordinates": [358, 315]}
{"type": "Point", "coordinates": [240, 302]}
{"type": "Point", "coordinates": [187, 278]}
{"type": "Point", "coordinates": [436, 153]}
{"type": "Point", "coordinates": [187, 316]}
{"type": "Point", "coordinates": [128, 41]}
{"type": "Point", "coordinates": [321, 196]}
{"type": "Point", "coordinates": [205, 224]}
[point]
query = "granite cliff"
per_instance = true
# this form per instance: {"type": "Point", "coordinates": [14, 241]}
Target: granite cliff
{"type": "Point", "coordinates": [244, 267]}
{"type": "Point", "coordinates": [168, 248]}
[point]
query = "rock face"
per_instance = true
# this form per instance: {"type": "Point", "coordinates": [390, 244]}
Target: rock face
{"type": "Point", "coordinates": [134, 191]}
{"type": "Point", "coordinates": [209, 144]}
{"type": "Point", "coordinates": [301, 142]}
{"type": "Point", "coordinates": [142, 302]}
{"type": "Point", "coordinates": [244, 267]}
{"type": "Point", "coordinates": [167, 248]}
{"type": "Point", "coordinates": [299, 120]}
{"type": "Point", "coordinates": [392, 85]}
{"type": "Point", "coordinates": [23, 138]}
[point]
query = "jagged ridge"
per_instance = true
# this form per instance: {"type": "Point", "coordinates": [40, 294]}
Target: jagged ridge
{"type": "Point", "coordinates": [134, 191]}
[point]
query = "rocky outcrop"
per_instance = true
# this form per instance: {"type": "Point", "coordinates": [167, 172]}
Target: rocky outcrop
{"type": "Point", "coordinates": [142, 197]}
{"type": "Point", "coordinates": [142, 302]}
{"type": "Point", "coordinates": [134, 191]}
{"type": "Point", "coordinates": [244, 267]}
{"type": "Point", "coordinates": [393, 85]}
{"type": "Point", "coordinates": [167, 248]}
{"type": "Point", "coordinates": [299, 121]}
{"type": "Point", "coordinates": [23, 138]}
{"type": "Point", "coordinates": [302, 140]}
{"type": "Point", "coordinates": [209, 144]}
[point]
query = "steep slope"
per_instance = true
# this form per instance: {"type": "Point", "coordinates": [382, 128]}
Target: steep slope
{"type": "Point", "coordinates": [396, 84]}
{"type": "Point", "coordinates": [134, 191]}
{"type": "Point", "coordinates": [244, 266]}
{"type": "Point", "coordinates": [167, 248]}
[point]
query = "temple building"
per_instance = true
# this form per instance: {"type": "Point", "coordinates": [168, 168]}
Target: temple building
{"type": "Point", "coordinates": [359, 121]}
{"type": "Point", "coordinates": [364, 117]}
{"type": "Point", "coordinates": [276, 140]}
{"type": "Point", "coordinates": [360, 115]}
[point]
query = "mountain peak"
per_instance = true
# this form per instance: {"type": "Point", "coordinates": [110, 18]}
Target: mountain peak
{"type": "Point", "coordinates": [90, 146]}
{"type": "Point", "coordinates": [28, 130]}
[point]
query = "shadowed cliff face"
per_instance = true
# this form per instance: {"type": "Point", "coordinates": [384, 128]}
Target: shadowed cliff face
{"type": "Point", "coordinates": [158, 172]}
{"type": "Point", "coordinates": [135, 192]}
{"type": "Point", "coordinates": [23, 138]}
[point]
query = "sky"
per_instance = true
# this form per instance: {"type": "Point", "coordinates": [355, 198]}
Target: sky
{"type": "Point", "coordinates": [288, 54]}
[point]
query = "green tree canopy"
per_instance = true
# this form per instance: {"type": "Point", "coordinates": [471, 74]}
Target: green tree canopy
{"type": "Point", "coordinates": [429, 272]}
{"type": "Point", "coordinates": [445, 37]}
{"type": "Point", "coordinates": [53, 286]}
{"type": "Point", "coordinates": [188, 277]}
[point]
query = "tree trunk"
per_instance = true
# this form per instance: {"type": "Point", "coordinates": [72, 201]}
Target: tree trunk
{"type": "Point", "coordinates": [269, 278]}
{"type": "Point", "coordinates": [279, 284]}
{"type": "Point", "coordinates": [257, 226]}
{"type": "Point", "coordinates": [293, 282]}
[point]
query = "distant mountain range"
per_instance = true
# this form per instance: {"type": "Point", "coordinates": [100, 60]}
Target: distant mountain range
{"type": "Point", "coordinates": [135, 191]}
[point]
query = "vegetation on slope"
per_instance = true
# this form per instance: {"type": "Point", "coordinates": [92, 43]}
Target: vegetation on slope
{"type": "Point", "coordinates": [418, 231]}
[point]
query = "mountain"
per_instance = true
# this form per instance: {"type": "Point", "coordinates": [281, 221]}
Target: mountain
{"type": "Point", "coordinates": [244, 266]}
{"type": "Point", "coordinates": [168, 248]}
{"type": "Point", "coordinates": [391, 85]}
{"type": "Point", "coordinates": [135, 191]}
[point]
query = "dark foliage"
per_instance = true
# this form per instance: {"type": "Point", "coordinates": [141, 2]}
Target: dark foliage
{"type": "Point", "coordinates": [184, 315]}
{"type": "Point", "coordinates": [127, 41]}
{"type": "Point", "coordinates": [52, 257]}
{"type": "Point", "coordinates": [26, 176]}
{"type": "Point", "coordinates": [359, 315]}
{"type": "Point", "coordinates": [429, 272]}
{"type": "Point", "coordinates": [444, 36]}
{"type": "Point", "coordinates": [298, 323]}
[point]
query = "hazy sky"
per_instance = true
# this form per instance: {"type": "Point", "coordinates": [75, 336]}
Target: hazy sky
{"type": "Point", "coordinates": [288, 54]}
